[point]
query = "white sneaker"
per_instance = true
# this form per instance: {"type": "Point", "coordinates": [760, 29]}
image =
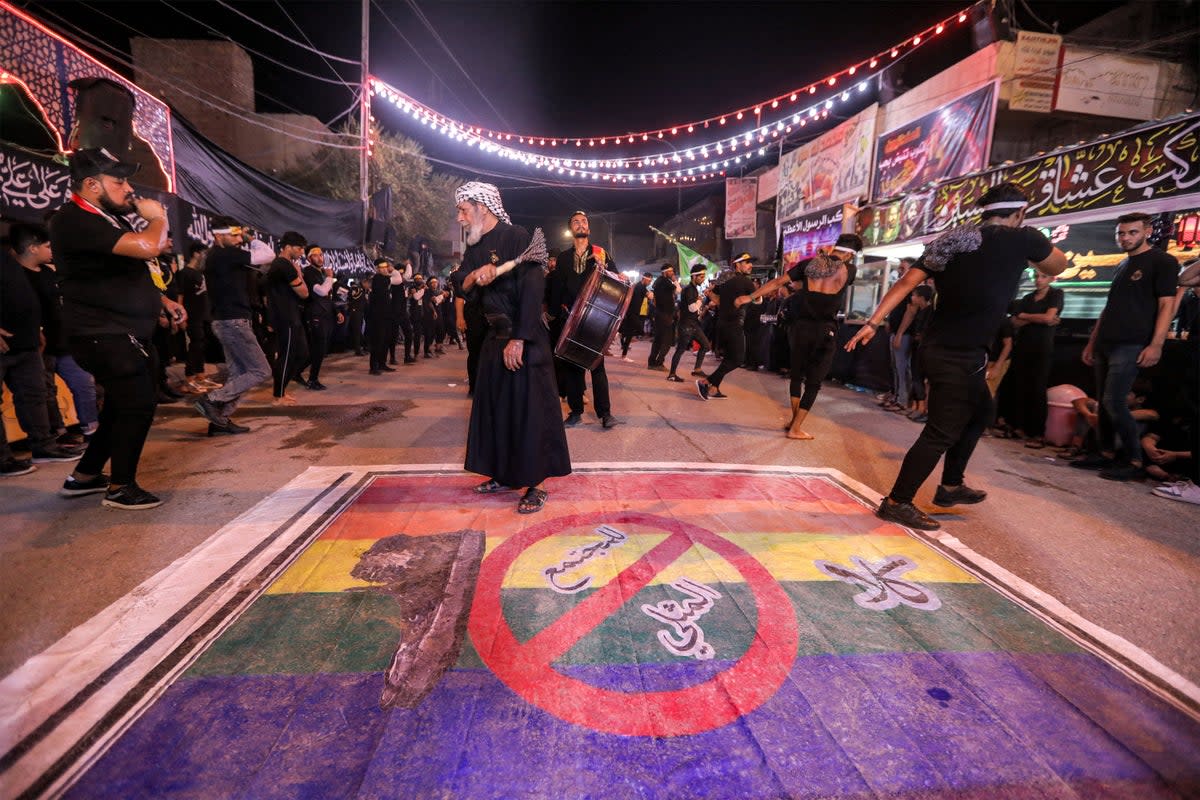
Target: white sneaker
{"type": "Point", "coordinates": [1185, 491]}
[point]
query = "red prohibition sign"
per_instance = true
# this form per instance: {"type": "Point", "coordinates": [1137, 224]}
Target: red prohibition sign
{"type": "Point", "coordinates": [527, 667]}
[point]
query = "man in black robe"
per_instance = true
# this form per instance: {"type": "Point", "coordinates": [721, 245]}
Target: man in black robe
{"type": "Point", "coordinates": [575, 266]}
{"type": "Point", "coordinates": [516, 437]}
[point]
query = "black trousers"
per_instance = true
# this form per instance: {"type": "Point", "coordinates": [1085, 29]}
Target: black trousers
{"type": "Point", "coordinates": [733, 343]}
{"type": "Point", "coordinates": [1030, 373]}
{"type": "Point", "coordinates": [197, 340]}
{"type": "Point", "coordinates": [126, 369]}
{"type": "Point", "coordinates": [429, 330]}
{"type": "Point", "coordinates": [291, 353]}
{"type": "Point", "coordinates": [664, 334]}
{"type": "Point", "coordinates": [318, 332]}
{"type": "Point", "coordinates": [381, 335]}
{"type": "Point", "coordinates": [403, 328]}
{"type": "Point", "coordinates": [573, 375]}
{"type": "Point", "coordinates": [960, 407]}
{"type": "Point", "coordinates": [356, 331]}
{"type": "Point", "coordinates": [689, 331]}
{"type": "Point", "coordinates": [53, 412]}
{"type": "Point", "coordinates": [24, 373]}
{"type": "Point", "coordinates": [812, 346]}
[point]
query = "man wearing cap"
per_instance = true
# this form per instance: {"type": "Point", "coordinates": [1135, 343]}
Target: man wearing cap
{"type": "Point", "coordinates": [665, 288]}
{"type": "Point", "coordinates": [976, 270]}
{"type": "Point", "coordinates": [228, 271]}
{"type": "Point", "coordinates": [318, 314]}
{"type": "Point", "coordinates": [812, 311]}
{"type": "Point", "coordinates": [690, 303]}
{"type": "Point", "coordinates": [563, 286]}
{"type": "Point", "coordinates": [731, 319]}
{"type": "Point", "coordinates": [110, 309]}
{"type": "Point", "coordinates": [516, 436]}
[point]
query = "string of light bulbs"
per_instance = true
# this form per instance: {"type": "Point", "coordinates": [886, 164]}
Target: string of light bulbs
{"type": "Point", "coordinates": [695, 163]}
{"type": "Point", "coordinates": [857, 72]}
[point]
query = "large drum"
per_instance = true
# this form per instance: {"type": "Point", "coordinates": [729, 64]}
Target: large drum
{"type": "Point", "coordinates": [594, 320]}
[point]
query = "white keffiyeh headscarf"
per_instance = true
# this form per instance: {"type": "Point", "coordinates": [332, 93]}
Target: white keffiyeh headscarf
{"type": "Point", "coordinates": [484, 193]}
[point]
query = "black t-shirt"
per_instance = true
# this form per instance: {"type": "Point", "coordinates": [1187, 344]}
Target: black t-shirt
{"type": "Point", "coordinates": [103, 293]}
{"type": "Point", "coordinates": [1038, 334]}
{"type": "Point", "coordinates": [282, 300]}
{"type": "Point", "coordinates": [225, 275]}
{"type": "Point", "coordinates": [193, 292]}
{"type": "Point", "coordinates": [44, 283]}
{"type": "Point", "coordinates": [317, 308]}
{"type": "Point", "coordinates": [818, 306]}
{"type": "Point", "coordinates": [664, 295]}
{"type": "Point", "coordinates": [689, 296]}
{"type": "Point", "coordinates": [20, 312]}
{"type": "Point", "coordinates": [737, 285]}
{"type": "Point", "coordinates": [1132, 305]}
{"type": "Point", "coordinates": [975, 288]}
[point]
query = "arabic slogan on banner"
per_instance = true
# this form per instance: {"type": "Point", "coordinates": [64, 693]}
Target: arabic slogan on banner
{"type": "Point", "coordinates": [803, 235]}
{"type": "Point", "coordinates": [419, 641]}
{"type": "Point", "coordinates": [1155, 163]}
{"type": "Point", "coordinates": [952, 140]}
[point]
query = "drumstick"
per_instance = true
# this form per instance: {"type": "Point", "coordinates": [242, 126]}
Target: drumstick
{"type": "Point", "coordinates": [536, 252]}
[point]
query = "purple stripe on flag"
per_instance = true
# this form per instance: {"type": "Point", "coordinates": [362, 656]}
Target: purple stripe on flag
{"type": "Point", "coordinates": [935, 724]}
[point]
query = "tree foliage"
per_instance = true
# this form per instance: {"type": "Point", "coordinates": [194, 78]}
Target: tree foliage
{"type": "Point", "coordinates": [422, 200]}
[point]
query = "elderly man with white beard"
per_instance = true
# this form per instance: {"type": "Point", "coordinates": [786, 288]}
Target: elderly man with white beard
{"type": "Point", "coordinates": [516, 436]}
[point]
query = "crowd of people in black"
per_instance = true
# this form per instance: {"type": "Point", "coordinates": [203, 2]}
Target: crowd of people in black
{"type": "Point", "coordinates": [80, 303]}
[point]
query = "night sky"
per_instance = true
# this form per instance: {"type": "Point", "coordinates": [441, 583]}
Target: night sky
{"type": "Point", "coordinates": [565, 69]}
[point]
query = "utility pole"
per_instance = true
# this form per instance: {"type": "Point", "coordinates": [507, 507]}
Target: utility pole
{"type": "Point", "coordinates": [364, 117]}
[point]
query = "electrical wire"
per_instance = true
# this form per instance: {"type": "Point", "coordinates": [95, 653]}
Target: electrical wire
{"type": "Point", "coordinates": [310, 47]}
{"type": "Point", "coordinates": [261, 55]}
{"type": "Point", "coordinates": [111, 52]}
{"type": "Point", "coordinates": [420, 57]}
{"type": "Point", "coordinates": [296, 25]}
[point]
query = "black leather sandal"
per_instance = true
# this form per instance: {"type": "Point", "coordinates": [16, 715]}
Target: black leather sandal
{"type": "Point", "coordinates": [532, 502]}
{"type": "Point", "coordinates": [490, 487]}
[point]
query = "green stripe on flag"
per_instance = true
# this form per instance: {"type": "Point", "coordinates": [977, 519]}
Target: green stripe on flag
{"type": "Point", "coordinates": [359, 631]}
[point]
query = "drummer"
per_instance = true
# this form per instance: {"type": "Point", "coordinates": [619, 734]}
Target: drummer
{"type": "Point", "coordinates": [563, 286]}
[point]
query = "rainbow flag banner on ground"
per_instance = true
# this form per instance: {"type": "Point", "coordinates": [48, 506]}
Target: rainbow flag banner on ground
{"type": "Point", "coordinates": [656, 632]}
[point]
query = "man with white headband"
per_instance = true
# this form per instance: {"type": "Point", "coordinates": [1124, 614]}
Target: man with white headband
{"type": "Point", "coordinates": [976, 269]}
{"type": "Point", "coordinates": [516, 436]}
{"type": "Point", "coordinates": [812, 311]}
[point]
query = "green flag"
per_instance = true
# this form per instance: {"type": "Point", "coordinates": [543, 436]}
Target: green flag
{"type": "Point", "coordinates": [689, 257]}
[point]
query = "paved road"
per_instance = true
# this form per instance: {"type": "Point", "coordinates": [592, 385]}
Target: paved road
{"type": "Point", "coordinates": [1115, 554]}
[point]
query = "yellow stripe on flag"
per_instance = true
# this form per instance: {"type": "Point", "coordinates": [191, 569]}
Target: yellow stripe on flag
{"type": "Point", "coordinates": [327, 564]}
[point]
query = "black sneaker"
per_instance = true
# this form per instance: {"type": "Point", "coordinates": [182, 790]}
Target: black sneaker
{"type": "Point", "coordinates": [130, 497]}
{"type": "Point", "coordinates": [958, 496]}
{"type": "Point", "coordinates": [716, 394]}
{"type": "Point", "coordinates": [1093, 462]}
{"type": "Point", "coordinates": [657, 367]}
{"type": "Point", "coordinates": [1123, 472]}
{"type": "Point", "coordinates": [386, 368]}
{"type": "Point", "coordinates": [702, 389]}
{"type": "Point", "coordinates": [71, 440]}
{"type": "Point", "coordinates": [12, 467]}
{"type": "Point", "coordinates": [74, 488]}
{"type": "Point", "coordinates": [316, 386]}
{"type": "Point", "coordinates": [673, 378]}
{"type": "Point", "coordinates": [609, 421]}
{"type": "Point", "coordinates": [375, 372]}
{"type": "Point", "coordinates": [208, 409]}
{"type": "Point", "coordinates": [228, 429]}
{"type": "Point", "coordinates": [54, 452]}
{"type": "Point", "coordinates": [906, 514]}
{"type": "Point", "coordinates": [698, 373]}
{"type": "Point", "coordinates": [573, 419]}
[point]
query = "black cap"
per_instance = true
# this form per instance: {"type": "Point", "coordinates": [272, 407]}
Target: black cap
{"type": "Point", "coordinates": [379, 262]}
{"type": "Point", "coordinates": [293, 239]}
{"type": "Point", "coordinates": [742, 257]}
{"type": "Point", "coordinates": [95, 161]}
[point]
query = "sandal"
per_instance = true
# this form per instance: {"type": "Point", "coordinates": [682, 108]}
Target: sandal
{"type": "Point", "coordinates": [489, 487]}
{"type": "Point", "coordinates": [532, 501]}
